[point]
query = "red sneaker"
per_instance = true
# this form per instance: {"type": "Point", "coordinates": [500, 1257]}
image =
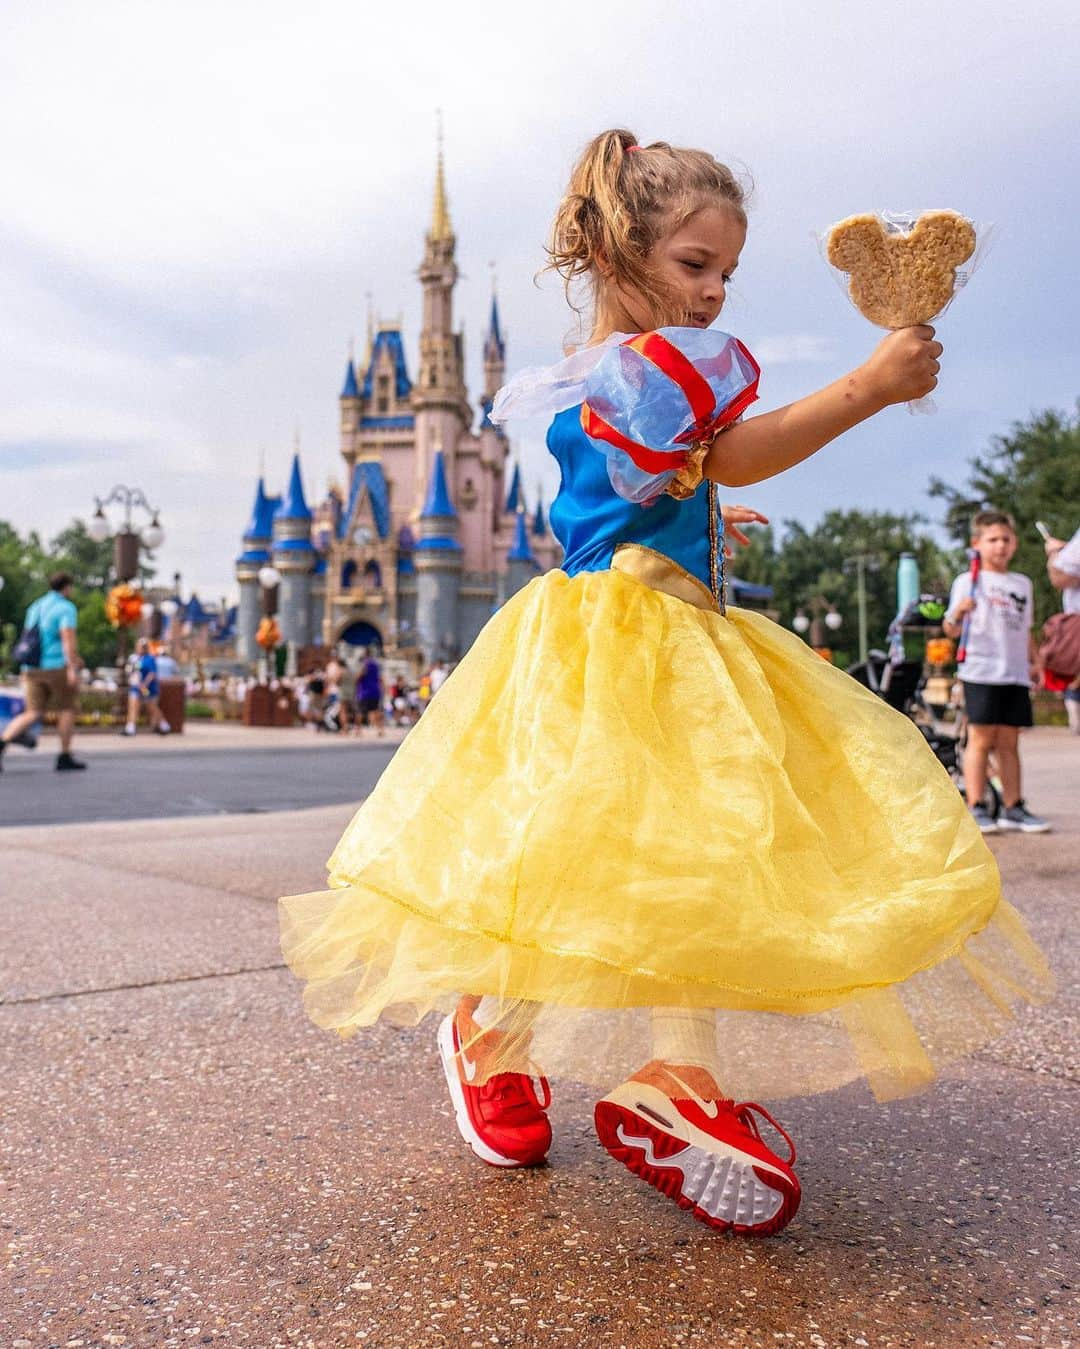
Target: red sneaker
{"type": "Point", "coordinates": [500, 1116]}
{"type": "Point", "coordinates": [671, 1127]}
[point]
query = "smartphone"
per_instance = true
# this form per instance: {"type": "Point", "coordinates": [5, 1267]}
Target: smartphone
{"type": "Point", "coordinates": [1043, 530]}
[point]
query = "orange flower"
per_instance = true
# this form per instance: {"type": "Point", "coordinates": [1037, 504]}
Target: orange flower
{"type": "Point", "coordinates": [123, 606]}
{"type": "Point", "coordinates": [269, 634]}
{"type": "Point", "coordinates": [939, 650]}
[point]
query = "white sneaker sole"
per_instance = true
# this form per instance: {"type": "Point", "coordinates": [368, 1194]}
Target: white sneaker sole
{"type": "Point", "coordinates": [1012, 827]}
{"type": "Point", "coordinates": [724, 1187]}
{"type": "Point", "coordinates": [457, 1097]}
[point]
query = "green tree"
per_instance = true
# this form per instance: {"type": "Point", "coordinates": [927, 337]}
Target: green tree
{"type": "Point", "coordinates": [809, 562]}
{"type": "Point", "coordinates": [75, 551]}
{"type": "Point", "coordinates": [26, 565]}
{"type": "Point", "coordinates": [1033, 473]}
{"type": "Point", "coordinates": [97, 636]}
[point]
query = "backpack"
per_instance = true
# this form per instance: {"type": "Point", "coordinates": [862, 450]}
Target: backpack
{"type": "Point", "coordinates": [27, 649]}
{"type": "Point", "coordinates": [1060, 647]}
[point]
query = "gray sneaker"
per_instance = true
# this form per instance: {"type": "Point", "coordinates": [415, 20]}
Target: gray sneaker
{"type": "Point", "coordinates": [1019, 817]}
{"type": "Point", "coordinates": [982, 817]}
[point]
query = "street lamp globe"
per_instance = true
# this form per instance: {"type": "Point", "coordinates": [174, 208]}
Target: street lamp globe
{"type": "Point", "coordinates": [269, 577]}
{"type": "Point", "coordinates": [833, 620]}
{"type": "Point", "coordinates": [169, 608]}
{"type": "Point", "coordinates": [98, 528]}
{"type": "Point", "coordinates": [800, 622]}
{"type": "Point", "coordinates": [153, 536]}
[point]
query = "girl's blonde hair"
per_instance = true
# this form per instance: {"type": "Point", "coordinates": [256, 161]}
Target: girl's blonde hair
{"type": "Point", "coordinates": [622, 198]}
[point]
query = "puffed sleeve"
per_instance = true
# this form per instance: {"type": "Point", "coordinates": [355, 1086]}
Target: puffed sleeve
{"type": "Point", "coordinates": [654, 403]}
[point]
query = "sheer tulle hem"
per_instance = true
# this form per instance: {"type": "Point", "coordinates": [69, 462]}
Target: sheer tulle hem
{"type": "Point", "coordinates": [364, 959]}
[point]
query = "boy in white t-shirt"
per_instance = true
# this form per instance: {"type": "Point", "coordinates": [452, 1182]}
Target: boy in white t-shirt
{"type": "Point", "coordinates": [1001, 662]}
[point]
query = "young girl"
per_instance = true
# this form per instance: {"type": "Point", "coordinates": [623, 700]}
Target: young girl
{"type": "Point", "coordinates": [640, 837]}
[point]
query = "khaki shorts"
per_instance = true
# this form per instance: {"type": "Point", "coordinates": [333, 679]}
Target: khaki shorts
{"type": "Point", "coordinates": [46, 689]}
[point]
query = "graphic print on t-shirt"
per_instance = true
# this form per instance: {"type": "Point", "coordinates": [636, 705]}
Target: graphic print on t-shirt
{"type": "Point", "coordinates": [997, 648]}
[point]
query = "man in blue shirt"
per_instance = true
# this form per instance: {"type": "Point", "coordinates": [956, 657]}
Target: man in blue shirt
{"type": "Point", "coordinates": [55, 681]}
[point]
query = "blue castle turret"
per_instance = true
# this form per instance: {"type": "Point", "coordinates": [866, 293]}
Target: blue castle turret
{"type": "Point", "coordinates": [514, 497]}
{"type": "Point", "coordinates": [294, 557]}
{"type": "Point", "coordinates": [539, 524]}
{"type": "Point", "coordinates": [438, 560]}
{"type": "Point", "coordinates": [521, 566]}
{"type": "Point", "coordinates": [257, 540]}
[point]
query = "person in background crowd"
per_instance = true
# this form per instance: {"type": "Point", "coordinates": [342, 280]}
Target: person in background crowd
{"type": "Point", "coordinates": [1063, 568]}
{"type": "Point", "coordinates": [1001, 661]}
{"type": "Point", "coordinates": [369, 691]}
{"type": "Point", "coordinates": [145, 690]}
{"type": "Point", "coordinates": [54, 682]}
{"type": "Point", "coordinates": [167, 667]}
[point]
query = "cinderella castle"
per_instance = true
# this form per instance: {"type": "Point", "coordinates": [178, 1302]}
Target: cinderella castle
{"type": "Point", "coordinates": [430, 535]}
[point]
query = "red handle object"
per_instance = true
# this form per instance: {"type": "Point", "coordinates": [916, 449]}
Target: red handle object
{"type": "Point", "coordinates": [961, 650]}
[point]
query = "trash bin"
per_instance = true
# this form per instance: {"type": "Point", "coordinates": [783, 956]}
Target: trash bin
{"type": "Point", "coordinates": [259, 706]}
{"type": "Point", "coordinates": [172, 699]}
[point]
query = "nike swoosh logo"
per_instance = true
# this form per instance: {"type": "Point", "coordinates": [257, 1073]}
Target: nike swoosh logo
{"type": "Point", "coordinates": [468, 1066]}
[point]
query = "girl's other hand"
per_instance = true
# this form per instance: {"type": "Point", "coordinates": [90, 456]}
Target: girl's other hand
{"type": "Point", "coordinates": [904, 365]}
{"type": "Point", "coordinates": [733, 517]}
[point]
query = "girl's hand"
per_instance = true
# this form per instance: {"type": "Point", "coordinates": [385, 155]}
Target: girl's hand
{"type": "Point", "coordinates": [733, 516]}
{"type": "Point", "coordinates": [963, 607]}
{"type": "Point", "coordinates": [904, 365]}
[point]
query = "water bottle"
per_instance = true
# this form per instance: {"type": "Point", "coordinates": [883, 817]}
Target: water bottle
{"type": "Point", "coordinates": [907, 581]}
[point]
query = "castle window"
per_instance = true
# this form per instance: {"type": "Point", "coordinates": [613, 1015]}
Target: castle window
{"type": "Point", "coordinates": [372, 576]}
{"type": "Point", "coordinates": [348, 575]}
{"type": "Point", "coordinates": [382, 395]}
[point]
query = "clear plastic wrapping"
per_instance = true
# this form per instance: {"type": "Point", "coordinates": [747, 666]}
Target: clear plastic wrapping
{"type": "Point", "coordinates": [900, 268]}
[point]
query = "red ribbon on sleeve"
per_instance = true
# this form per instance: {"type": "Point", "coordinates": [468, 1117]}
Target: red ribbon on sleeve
{"type": "Point", "coordinates": [669, 360]}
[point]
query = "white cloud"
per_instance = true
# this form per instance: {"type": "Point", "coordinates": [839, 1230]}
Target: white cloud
{"type": "Point", "coordinates": [794, 349]}
{"type": "Point", "coordinates": [197, 201]}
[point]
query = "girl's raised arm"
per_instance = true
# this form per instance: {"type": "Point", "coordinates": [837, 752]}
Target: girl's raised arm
{"type": "Point", "coordinates": [903, 366]}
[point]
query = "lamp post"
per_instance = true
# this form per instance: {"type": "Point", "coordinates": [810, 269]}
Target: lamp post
{"type": "Point", "coordinates": [269, 580]}
{"type": "Point", "coordinates": [825, 617]}
{"type": "Point", "coordinates": [860, 564]}
{"type": "Point", "coordinates": [126, 544]}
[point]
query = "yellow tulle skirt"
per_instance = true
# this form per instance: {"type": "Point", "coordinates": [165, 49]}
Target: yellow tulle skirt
{"type": "Point", "coordinates": [622, 799]}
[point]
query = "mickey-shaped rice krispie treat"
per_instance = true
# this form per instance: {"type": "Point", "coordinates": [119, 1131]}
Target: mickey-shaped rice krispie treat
{"type": "Point", "coordinates": [901, 278]}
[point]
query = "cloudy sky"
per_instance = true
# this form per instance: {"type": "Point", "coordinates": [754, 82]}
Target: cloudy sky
{"type": "Point", "coordinates": [197, 200]}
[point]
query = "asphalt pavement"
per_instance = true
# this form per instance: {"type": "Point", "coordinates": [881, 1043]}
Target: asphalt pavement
{"type": "Point", "coordinates": [186, 1160]}
{"type": "Point", "coordinates": [209, 770]}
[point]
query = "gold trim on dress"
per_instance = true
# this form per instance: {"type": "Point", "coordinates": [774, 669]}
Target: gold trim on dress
{"type": "Point", "coordinates": [659, 572]}
{"type": "Point", "coordinates": [688, 479]}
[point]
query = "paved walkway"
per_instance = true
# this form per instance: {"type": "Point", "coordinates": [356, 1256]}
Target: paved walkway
{"type": "Point", "coordinates": [185, 1160]}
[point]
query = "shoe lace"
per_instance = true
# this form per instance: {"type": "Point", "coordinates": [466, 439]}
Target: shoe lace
{"type": "Point", "coordinates": [743, 1112]}
{"type": "Point", "coordinates": [511, 1091]}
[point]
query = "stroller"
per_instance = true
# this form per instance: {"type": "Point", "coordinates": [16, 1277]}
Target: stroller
{"type": "Point", "coordinates": [902, 684]}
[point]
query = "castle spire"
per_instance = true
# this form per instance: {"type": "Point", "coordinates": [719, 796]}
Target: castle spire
{"type": "Point", "coordinates": [519, 549]}
{"type": "Point", "coordinates": [441, 230]}
{"type": "Point", "coordinates": [514, 498]}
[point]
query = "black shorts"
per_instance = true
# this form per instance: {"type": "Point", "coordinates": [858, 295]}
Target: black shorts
{"type": "Point", "coordinates": [369, 705]}
{"type": "Point", "coordinates": [997, 704]}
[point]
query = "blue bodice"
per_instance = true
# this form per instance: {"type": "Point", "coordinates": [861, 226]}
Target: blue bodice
{"type": "Point", "coordinates": [590, 519]}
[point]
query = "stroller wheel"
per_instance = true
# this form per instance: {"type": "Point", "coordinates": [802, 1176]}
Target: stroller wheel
{"type": "Point", "coordinates": [991, 800]}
